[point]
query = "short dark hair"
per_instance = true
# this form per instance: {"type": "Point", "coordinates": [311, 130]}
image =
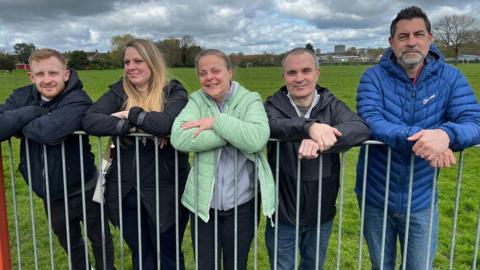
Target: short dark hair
{"type": "Point", "coordinates": [408, 14]}
{"type": "Point", "coordinates": [300, 50]}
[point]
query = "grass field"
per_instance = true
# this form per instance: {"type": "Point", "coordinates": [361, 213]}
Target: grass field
{"type": "Point", "coordinates": [342, 80]}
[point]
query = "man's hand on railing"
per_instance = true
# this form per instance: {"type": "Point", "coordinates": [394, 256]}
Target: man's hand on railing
{"type": "Point", "coordinates": [444, 160]}
{"type": "Point", "coordinates": [429, 143]}
{"type": "Point", "coordinates": [324, 135]}
{"type": "Point", "coordinates": [308, 149]}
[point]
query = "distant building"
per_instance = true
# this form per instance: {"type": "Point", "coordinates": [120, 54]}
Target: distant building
{"type": "Point", "coordinates": [340, 49]}
{"type": "Point", "coordinates": [362, 52]}
{"type": "Point", "coordinates": [23, 66]}
{"type": "Point", "coordinates": [468, 57]}
{"type": "Point", "coordinates": [318, 52]}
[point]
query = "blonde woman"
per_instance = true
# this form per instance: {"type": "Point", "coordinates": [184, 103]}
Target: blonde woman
{"type": "Point", "coordinates": [143, 101]}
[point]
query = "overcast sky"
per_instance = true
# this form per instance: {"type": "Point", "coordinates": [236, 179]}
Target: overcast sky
{"type": "Point", "coordinates": [248, 26]}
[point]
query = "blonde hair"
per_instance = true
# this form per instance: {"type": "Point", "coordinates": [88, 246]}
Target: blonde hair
{"type": "Point", "coordinates": [155, 99]}
{"type": "Point", "coordinates": [42, 54]}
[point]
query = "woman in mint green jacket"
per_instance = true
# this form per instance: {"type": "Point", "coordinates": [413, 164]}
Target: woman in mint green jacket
{"type": "Point", "coordinates": [226, 127]}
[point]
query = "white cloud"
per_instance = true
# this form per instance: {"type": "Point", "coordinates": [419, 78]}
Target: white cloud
{"type": "Point", "coordinates": [250, 26]}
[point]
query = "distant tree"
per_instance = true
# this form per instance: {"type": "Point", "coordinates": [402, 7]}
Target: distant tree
{"type": "Point", "coordinates": [310, 47]}
{"type": "Point", "coordinates": [118, 44]}
{"type": "Point", "coordinates": [455, 32]}
{"type": "Point", "coordinates": [77, 59]}
{"type": "Point", "coordinates": [104, 61]}
{"type": "Point", "coordinates": [7, 61]}
{"type": "Point", "coordinates": [171, 51]}
{"type": "Point", "coordinates": [23, 51]}
{"type": "Point", "coordinates": [352, 51]}
{"type": "Point", "coordinates": [375, 52]}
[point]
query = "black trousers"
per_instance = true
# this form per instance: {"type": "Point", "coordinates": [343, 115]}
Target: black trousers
{"type": "Point", "coordinates": [94, 230]}
{"type": "Point", "coordinates": [168, 244]}
{"type": "Point", "coordinates": [226, 244]}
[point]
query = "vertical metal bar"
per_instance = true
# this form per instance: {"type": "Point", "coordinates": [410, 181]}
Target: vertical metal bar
{"type": "Point", "coordinates": [49, 214]}
{"type": "Point", "coordinates": [255, 216]}
{"type": "Point", "coordinates": [430, 226]}
{"type": "Point", "coordinates": [215, 212]}
{"type": "Point", "coordinates": [30, 195]}
{"type": "Point", "coordinates": [120, 212]}
{"type": "Point", "coordinates": [196, 209]}
{"type": "Point", "coordinates": [297, 211]}
{"type": "Point", "coordinates": [362, 215]}
{"type": "Point", "coordinates": [455, 218]}
{"type": "Point", "coordinates": [319, 211]}
{"type": "Point", "coordinates": [475, 254]}
{"type": "Point", "coordinates": [14, 200]}
{"type": "Point", "coordinates": [102, 215]}
{"type": "Point", "coordinates": [340, 214]}
{"type": "Point", "coordinates": [139, 204]}
{"type": "Point", "coordinates": [157, 202]}
{"type": "Point", "coordinates": [385, 206]}
{"type": "Point", "coordinates": [84, 208]}
{"type": "Point", "coordinates": [409, 209]}
{"type": "Point", "coordinates": [177, 208]}
{"type": "Point", "coordinates": [235, 212]}
{"type": "Point", "coordinates": [277, 187]}
{"type": "Point", "coordinates": [65, 200]}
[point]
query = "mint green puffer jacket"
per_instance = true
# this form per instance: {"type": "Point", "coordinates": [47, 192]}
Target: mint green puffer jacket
{"type": "Point", "coordinates": [244, 125]}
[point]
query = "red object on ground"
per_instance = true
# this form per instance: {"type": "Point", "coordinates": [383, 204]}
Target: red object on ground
{"type": "Point", "coordinates": [4, 240]}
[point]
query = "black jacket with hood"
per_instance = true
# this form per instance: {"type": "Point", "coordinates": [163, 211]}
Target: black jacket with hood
{"type": "Point", "coordinates": [98, 121]}
{"type": "Point", "coordinates": [291, 129]}
{"type": "Point", "coordinates": [50, 123]}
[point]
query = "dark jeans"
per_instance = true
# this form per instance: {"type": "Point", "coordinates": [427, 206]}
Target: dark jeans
{"type": "Point", "coordinates": [307, 245]}
{"type": "Point", "coordinates": [94, 230]}
{"type": "Point", "coordinates": [225, 245]}
{"type": "Point", "coordinates": [149, 237]}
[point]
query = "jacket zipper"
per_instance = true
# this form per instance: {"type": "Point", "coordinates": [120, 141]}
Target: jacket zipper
{"type": "Point", "coordinates": [407, 171]}
{"type": "Point", "coordinates": [215, 172]}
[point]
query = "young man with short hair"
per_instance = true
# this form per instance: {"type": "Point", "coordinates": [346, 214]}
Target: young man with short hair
{"type": "Point", "coordinates": [46, 113]}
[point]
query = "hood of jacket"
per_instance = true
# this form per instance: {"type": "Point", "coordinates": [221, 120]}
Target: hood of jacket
{"type": "Point", "coordinates": [433, 62]}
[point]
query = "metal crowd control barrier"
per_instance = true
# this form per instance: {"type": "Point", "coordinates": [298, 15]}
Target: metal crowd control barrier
{"type": "Point", "coordinates": [46, 251]}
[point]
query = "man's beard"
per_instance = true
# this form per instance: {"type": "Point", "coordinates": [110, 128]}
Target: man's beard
{"type": "Point", "coordinates": [408, 60]}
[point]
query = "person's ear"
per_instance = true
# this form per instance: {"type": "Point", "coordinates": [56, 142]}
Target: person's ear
{"type": "Point", "coordinates": [66, 75]}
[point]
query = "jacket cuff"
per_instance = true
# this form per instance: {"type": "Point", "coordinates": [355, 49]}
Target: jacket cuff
{"type": "Point", "coordinates": [449, 132]}
{"type": "Point", "coordinates": [306, 127]}
{"type": "Point", "coordinates": [136, 115]}
{"type": "Point", "coordinates": [122, 126]}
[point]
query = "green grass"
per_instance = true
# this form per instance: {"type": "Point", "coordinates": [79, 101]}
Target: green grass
{"type": "Point", "coordinates": [342, 80]}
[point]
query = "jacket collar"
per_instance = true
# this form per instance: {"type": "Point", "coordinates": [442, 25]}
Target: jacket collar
{"type": "Point", "coordinates": [433, 61]}
{"type": "Point", "coordinates": [281, 101]}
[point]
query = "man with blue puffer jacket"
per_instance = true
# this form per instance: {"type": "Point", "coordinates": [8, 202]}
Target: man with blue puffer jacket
{"type": "Point", "coordinates": [412, 101]}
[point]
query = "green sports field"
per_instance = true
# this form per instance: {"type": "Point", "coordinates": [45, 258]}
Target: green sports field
{"type": "Point", "coordinates": [342, 80]}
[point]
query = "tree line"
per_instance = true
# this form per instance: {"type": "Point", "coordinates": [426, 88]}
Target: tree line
{"type": "Point", "coordinates": [454, 35]}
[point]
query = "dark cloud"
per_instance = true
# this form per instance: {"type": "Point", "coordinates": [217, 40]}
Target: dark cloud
{"type": "Point", "coordinates": [26, 10]}
{"type": "Point", "coordinates": [250, 26]}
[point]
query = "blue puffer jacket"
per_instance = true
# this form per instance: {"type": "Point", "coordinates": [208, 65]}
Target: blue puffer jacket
{"type": "Point", "coordinates": [396, 108]}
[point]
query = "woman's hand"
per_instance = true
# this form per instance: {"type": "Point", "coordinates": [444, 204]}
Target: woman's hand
{"type": "Point", "coordinates": [121, 114]}
{"type": "Point", "coordinates": [202, 124]}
